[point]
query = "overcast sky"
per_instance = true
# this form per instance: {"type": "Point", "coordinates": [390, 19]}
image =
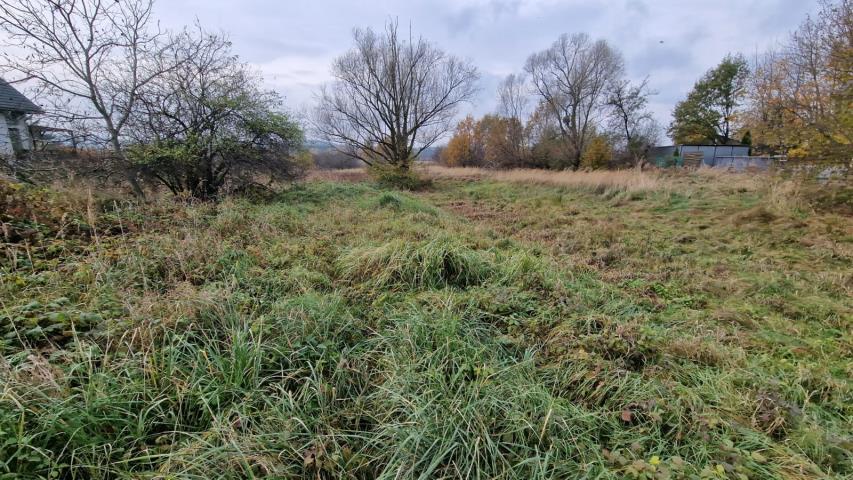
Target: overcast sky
{"type": "Point", "coordinates": [293, 41]}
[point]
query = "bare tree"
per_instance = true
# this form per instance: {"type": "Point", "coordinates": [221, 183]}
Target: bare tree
{"type": "Point", "coordinates": [392, 97]}
{"type": "Point", "coordinates": [90, 57]}
{"type": "Point", "coordinates": [572, 77]}
{"type": "Point", "coordinates": [630, 117]}
{"type": "Point", "coordinates": [513, 97]}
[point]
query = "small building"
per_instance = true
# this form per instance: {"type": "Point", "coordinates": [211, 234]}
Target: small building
{"type": "Point", "coordinates": [15, 111]}
{"type": "Point", "coordinates": [713, 154]}
{"type": "Point", "coordinates": [706, 155]}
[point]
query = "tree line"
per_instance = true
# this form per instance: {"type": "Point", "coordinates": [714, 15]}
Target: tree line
{"type": "Point", "coordinates": [793, 100]}
{"type": "Point", "coordinates": [799, 95]}
{"type": "Point", "coordinates": [179, 109]}
{"type": "Point", "coordinates": [572, 106]}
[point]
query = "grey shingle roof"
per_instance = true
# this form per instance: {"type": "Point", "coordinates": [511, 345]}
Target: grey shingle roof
{"type": "Point", "coordinates": [12, 100]}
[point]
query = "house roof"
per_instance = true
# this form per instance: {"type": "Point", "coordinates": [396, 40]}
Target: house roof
{"type": "Point", "coordinates": [12, 100]}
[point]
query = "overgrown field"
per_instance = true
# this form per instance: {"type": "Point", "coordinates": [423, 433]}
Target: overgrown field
{"type": "Point", "coordinates": [683, 326]}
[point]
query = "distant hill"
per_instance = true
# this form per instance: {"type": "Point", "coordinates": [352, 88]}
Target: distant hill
{"type": "Point", "coordinates": [320, 146]}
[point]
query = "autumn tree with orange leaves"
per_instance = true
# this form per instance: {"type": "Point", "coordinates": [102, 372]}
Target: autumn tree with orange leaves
{"type": "Point", "coordinates": [802, 94]}
{"type": "Point", "coordinates": [492, 142]}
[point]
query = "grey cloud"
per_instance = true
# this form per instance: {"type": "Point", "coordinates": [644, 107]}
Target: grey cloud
{"type": "Point", "coordinates": [637, 6]}
{"type": "Point", "coordinates": [461, 21]}
{"type": "Point", "coordinates": [655, 56]}
{"type": "Point", "coordinates": [268, 49]}
{"type": "Point", "coordinates": [504, 7]}
{"type": "Point", "coordinates": [293, 42]}
{"type": "Point", "coordinates": [474, 15]}
{"type": "Point", "coordinates": [788, 12]}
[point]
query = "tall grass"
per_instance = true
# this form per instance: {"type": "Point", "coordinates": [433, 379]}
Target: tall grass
{"type": "Point", "coordinates": [597, 180]}
{"type": "Point", "coordinates": [785, 197]}
{"type": "Point", "coordinates": [436, 263]}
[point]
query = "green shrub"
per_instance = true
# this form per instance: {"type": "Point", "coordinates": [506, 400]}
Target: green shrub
{"type": "Point", "coordinates": [397, 178]}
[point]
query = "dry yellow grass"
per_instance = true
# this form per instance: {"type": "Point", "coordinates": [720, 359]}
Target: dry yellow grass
{"type": "Point", "coordinates": [721, 178]}
{"type": "Point", "coordinates": [628, 180]}
{"type": "Point", "coordinates": [342, 175]}
{"type": "Point", "coordinates": [785, 197]}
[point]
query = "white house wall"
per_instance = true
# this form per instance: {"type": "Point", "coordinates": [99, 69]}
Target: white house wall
{"type": "Point", "coordinates": [5, 141]}
{"type": "Point", "coordinates": [19, 122]}
{"type": "Point", "coordinates": [24, 129]}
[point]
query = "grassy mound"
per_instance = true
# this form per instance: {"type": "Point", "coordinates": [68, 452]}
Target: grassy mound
{"type": "Point", "coordinates": [443, 262]}
{"type": "Point", "coordinates": [401, 203]}
{"type": "Point", "coordinates": [436, 263]}
{"type": "Point", "coordinates": [387, 176]}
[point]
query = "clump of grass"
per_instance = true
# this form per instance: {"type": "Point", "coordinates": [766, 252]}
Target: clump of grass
{"type": "Point", "coordinates": [456, 402]}
{"type": "Point", "coordinates": [388, 176]}
{"type": "Point", "coordinates": [399, 264]}
{"type": "Point", "coordinates": [784, 197]}
{"type": "Point", "coordinates": [527, 271]}
{"type": "Point", "coordinates": [444, 262]}
{"type": "Point", "coordinates": [400, 203]}
{"type": "Point", "coordinates": [701, 352]}
{"type": "Point", "coordinates": [756, 215]}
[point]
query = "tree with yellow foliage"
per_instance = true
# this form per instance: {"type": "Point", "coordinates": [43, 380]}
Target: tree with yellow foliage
{"type": "Point", "coordinates": [465, 148]}
{"type": "Point", "coordinates": [491, 142]}
{"type": "Point", "coordinates": [502, 140]}
{"type": "Point", "coordinates": [802, 96]}
{"type": "Point", "coordinates": [598, 154]}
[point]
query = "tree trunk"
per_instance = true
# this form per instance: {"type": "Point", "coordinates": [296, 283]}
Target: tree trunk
{"type": "Point", "coordinates": [134, 184]}
{"type": "Point", "coordinates": [131, 172]}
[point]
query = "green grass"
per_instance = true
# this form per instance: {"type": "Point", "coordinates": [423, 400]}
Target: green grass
{"type": "Point", "coordinates": [472, 330]}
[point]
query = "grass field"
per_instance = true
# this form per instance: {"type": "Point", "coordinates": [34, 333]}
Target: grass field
{"type": "Point", "coordinates": [495, 325]}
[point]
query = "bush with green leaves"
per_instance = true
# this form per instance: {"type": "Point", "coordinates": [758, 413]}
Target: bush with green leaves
{"type": "Point", "coordinates": [207, 125]}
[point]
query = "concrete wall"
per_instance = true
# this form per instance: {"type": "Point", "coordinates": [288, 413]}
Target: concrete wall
{"type": "Point", "coordinates": [742, 163]}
